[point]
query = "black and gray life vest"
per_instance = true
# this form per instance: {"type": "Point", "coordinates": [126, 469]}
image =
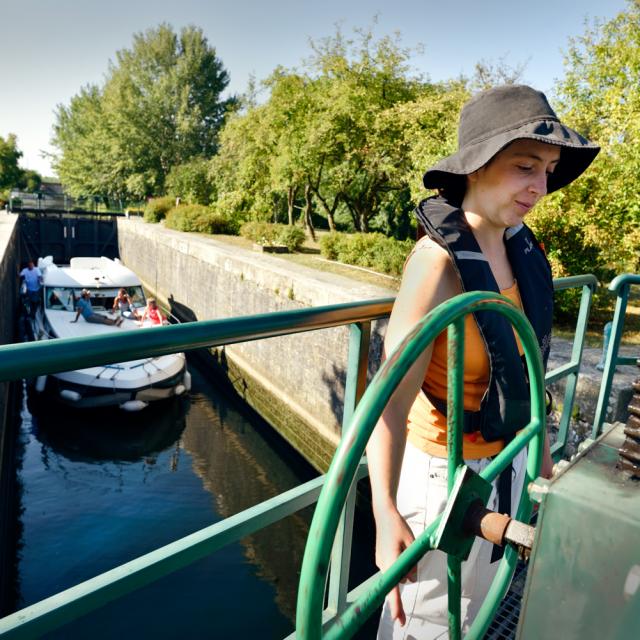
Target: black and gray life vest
{"type": "Point", "coordinates": [505, 407]}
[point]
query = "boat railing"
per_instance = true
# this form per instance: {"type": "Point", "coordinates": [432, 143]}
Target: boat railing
{"type": "Point", "coordinates": [28, 360]}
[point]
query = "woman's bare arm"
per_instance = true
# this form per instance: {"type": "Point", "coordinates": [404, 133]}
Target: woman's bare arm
{"type": "Point", "coordinates": [428, 280]}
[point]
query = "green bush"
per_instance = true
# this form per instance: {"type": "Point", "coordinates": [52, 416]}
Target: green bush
{"type": "Point", "coordinates": [372, 250]}
{"type": "Point", "coordinates": [267, 233]}
{"type": "Point", "coordinates": [198, 218]}
{"type": "Point", "coordinates": [291, 236]}
{"type": "Point", "coordinates": [157, 208]}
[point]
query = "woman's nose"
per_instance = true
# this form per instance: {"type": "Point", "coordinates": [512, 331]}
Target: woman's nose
{"type": "Point", "coordinates": [538, 183]}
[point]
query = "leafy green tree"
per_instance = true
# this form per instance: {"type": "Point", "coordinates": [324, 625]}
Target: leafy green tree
{"type": "Point", "coordinates": [593, 226]}
{"type": "Point", "coordinates": [29, 180]}
{"type": "Point", "coordinates": [191, 182]}
{"type": "Point", "coordinates": [358, 80]}
{"type": "Point", "coordinates": [314, 144]}
{"type": "Point", "coordinates": [241, 169]}
{"type": "Point", "coordinates": [160, 106]}
{"type": "Point", "coordinates": [88, 162]}
{"type": "Point", "coordinates": [10, 172]}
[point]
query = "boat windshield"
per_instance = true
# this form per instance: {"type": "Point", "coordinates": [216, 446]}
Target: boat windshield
{"type": "Point", "coordinates": [63, 298]}
{"type": "Point", "coordinates": [59, 298]}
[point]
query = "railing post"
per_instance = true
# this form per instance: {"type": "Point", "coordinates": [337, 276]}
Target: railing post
{"type": "Point", "coordinates": [572, 378]}
{"type": "Point", "coordinates": [611, 359]}
{"type": "Point", "coordinates": [455, 408]}
{"type": "Point", "coordinates": [356, 381]}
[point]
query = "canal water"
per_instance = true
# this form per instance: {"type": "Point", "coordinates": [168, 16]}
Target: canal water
{"type": "Point", "coordinates": [101, 488]}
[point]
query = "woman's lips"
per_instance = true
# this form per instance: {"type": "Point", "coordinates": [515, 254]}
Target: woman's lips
{"type": "Point", "coordinates": [524, 206]}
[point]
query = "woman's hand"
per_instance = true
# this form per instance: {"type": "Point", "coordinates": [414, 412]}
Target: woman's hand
{"type": "Point", "coordinates": [546, 468]}
{"type": "Point", "coordinates": [393, 536]}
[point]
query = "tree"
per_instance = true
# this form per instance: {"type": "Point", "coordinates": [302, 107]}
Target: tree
{"type": "Point", "coordinates": [10, 172]}
{"type": "Point", "coordinates": [89, 162]}
{"type": "Point", "coordinates": [593, 226]}
{"type": "Point", "coordinates": [191, 182]}
{"type": "Point", "coordinates": [160, 106]}
{"type": "Point", "coordinates": [311, 142]}
{"type": "Point", "coordinates": [241, 169]}
{"type": "Point", "coordinates": [29, 180]}
{"type": "Point", "coordinates": [358, 81]}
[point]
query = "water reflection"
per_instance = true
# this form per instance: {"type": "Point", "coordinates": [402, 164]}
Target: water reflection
{"type": "Point", "coordinates": [101, 488]}
{"type": "Point", "coordinates": [98, 436]}
{"type": "Point", "coordinates": [237, 467]}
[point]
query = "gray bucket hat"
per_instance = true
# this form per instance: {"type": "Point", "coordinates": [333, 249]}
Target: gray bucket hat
{"type": "Point", "coordinates": [496, 117]}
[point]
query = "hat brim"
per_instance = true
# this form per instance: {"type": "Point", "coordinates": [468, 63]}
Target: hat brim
{"type": "Point", "coordinates": [576, 155]}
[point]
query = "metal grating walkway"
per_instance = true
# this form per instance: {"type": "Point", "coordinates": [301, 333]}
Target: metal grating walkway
{"type": "Point", "coordinates": [505, 622]}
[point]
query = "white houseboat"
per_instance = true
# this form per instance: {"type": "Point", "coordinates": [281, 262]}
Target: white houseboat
{"type": "Point", "coordinates": [129, 385]}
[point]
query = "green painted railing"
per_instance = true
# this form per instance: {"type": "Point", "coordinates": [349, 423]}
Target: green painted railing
{"type": "Point", "coordinates": [620, 286]}
{"type": "Point", "coordinates": [33, 359]}
{"type": "Point", "coordinates": [349, 454]}
{"type": "Point", "coordinates": [571, 369]}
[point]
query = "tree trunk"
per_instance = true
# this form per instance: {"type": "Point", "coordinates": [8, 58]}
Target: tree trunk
{"type": "Point", "coordinates": [364, 221]}
{"type": "Point", "coordinates": [327, 209]}
{"type": "Point", "coordinates": [308, 207]}
{"type": "Point", "coordinates": [291, 198]}
{"type": "Point", "coordinates": [354, 217]}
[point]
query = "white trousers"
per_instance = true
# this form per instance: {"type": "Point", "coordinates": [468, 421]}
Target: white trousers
{"type": "Point", "coordinates": [422, 495]}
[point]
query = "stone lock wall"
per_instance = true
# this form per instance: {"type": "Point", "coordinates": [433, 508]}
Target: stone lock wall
{"type": "Point", "coordinates": [295, 382]}
{"type": "Point", "coordinates": [9, 263]}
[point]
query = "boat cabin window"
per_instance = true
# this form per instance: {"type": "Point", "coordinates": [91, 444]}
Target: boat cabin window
{"type": "Point", "coordinates": [59, 298]}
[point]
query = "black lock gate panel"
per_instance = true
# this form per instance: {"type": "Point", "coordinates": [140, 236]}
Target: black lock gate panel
{"type": "Point", "coordinates": [68, 235]}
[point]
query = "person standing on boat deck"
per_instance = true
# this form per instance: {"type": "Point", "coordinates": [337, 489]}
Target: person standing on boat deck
{"type": "Point", "coordinates": [32, 277]}
{"type": "Point", "coordinates": [83, 306]}
{"type": "Point", "coordinates": [512, 150]}
{"type": "Point", "coordinates": [153, 312]}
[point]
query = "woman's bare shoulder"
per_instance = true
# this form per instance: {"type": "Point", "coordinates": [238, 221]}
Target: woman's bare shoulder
{"type": "Point", "coordinates": [428, 259]}
{"type": "Point", "coordinates": [429, 278]}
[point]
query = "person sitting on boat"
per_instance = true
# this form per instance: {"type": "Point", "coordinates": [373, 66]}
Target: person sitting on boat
{"type": "Point", "coordinates": [153, 313]}
{"type": "Point", "coordinates": [123, 303]}
{"type": "Point", "coordinates": [83, 306]}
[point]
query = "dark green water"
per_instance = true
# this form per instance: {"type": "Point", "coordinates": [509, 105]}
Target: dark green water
{"type": "Point", "coordinates": [101, 488]}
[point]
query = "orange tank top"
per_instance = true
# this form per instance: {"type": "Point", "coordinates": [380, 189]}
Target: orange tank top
{"type": "Point", "coordinates": [427, 427]}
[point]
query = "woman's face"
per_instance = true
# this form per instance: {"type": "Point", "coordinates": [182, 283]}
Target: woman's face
{"type": "Point", "coordinates": [507, 188]}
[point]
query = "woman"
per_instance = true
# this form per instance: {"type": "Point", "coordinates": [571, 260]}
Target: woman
{"type": "Point", "coordinates": [123, 303]}
{"type": "Point", "coordinates": [512, 151]}
{"type": "Point", "coordinates": [153, 313]}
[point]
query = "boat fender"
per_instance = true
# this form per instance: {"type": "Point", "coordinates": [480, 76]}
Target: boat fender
{"type": "Point", "coordinates": [72, 396]}
{"type": "Point", "coordinates": [41, 383]}
{"type": "Point", "coordinates": [133, 405]}
{"type": "Point", "coordinates": [186, 380]}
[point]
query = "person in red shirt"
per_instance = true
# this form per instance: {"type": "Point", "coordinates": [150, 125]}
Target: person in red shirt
{"type": "Point", "coordinates": [153, 313]}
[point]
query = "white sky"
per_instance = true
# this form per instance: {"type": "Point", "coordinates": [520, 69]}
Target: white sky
{"type": "Point", "coordinates": [48, 50]}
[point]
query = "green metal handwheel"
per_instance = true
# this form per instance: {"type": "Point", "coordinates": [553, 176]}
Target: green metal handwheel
{"type": "Point", "coordinates": [446, 531]}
